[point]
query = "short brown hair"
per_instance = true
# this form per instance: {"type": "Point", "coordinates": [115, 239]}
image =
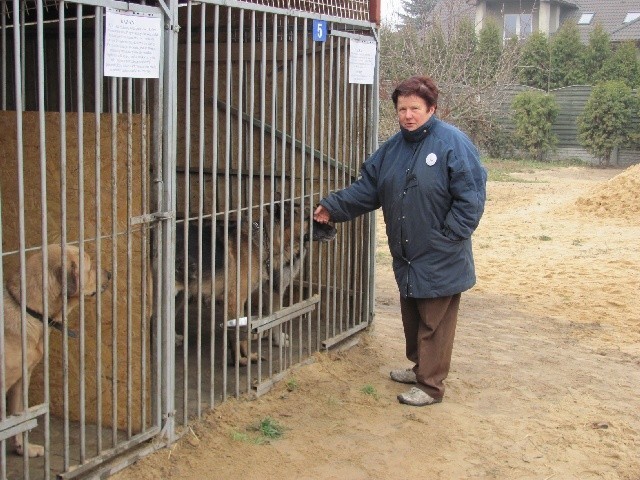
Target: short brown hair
{"type": "Point", "coordinates": [420, 86]}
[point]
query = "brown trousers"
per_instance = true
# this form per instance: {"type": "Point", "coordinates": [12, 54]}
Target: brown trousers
{"type": "Point", "coordinates": [429, 330]}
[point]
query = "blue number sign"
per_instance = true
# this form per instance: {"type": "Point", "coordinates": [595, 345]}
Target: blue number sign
{"type": "Point", "coordinates": [319, 30]}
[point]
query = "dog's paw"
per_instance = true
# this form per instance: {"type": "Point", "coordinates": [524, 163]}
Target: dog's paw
{"type": "Point", "coordinates": [281, 339]}
{"type": "Point", "coordinates": [33, 450]}
{"type": "Point", "coordinates": [255, 358]}
{"type": "Point", "coordinates": [244, 361]}
{"type": "Point", "coordinates": [179, 340]}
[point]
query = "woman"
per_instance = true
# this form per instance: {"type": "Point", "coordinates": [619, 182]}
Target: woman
{"type": "Point", "coordinates": [430, 183]}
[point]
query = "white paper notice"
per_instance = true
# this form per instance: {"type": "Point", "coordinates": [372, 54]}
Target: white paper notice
{"type": "Point", "coordinates": [132, 44]}
{"type": "Point", "coordinates": [362, 61]}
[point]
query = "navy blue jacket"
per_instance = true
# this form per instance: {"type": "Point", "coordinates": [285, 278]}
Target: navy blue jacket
{"type": "Point", "coordinates": [432, 190]}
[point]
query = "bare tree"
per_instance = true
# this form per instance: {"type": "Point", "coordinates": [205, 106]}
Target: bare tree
{"type": "Point", "coordinates": [472, 80]}
{"type": "Point", "coordinates": [416, 11]}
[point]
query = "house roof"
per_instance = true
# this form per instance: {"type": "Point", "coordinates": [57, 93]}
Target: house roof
{"type": "Point", "coordinates": [610, 14]}
{"type": "Point", "coordinates": [568, 3]}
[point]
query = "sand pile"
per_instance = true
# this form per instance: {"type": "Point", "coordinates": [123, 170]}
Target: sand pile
{"type": "Point", "coordinates": [618, 197]}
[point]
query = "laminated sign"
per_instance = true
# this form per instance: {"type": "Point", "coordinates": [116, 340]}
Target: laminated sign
{"type": "Point", "coordinates": [362, 61]}
{"type": "Point", "coordinates": [132, 44]}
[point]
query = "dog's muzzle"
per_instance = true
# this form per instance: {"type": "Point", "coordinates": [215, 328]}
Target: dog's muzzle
{"type": "Point", "coordinates": [322, 232]}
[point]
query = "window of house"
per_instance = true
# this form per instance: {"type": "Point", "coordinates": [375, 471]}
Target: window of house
{"type": "Point", "coordinates": [631, 16]}
{"type": "Point", "coordinates": [526, 25]}
{"type": "Point", "coordinates": [586, 18]}
{"type": "Point", "coordinates": [510, 25]}
{"type": "Point", "coordinates": [518, 25]}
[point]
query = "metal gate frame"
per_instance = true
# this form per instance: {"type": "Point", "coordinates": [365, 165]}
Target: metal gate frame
{"type": "Point", "coordinates": [163, 427]}
{"type": "Point", "coordinates": [345, 172]}
{"type": "Point", "coordinates": [151, 426]}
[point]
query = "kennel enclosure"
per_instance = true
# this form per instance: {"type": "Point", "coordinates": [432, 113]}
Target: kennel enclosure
{"type": "Point", "coordinates": [247, 114]}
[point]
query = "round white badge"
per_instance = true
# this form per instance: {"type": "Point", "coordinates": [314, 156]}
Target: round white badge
{"type": "Point", "coordinates": [431, 159]}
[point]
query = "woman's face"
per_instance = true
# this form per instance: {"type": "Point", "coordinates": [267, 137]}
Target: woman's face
{"type": "Point", "coordinates": [413, 112]}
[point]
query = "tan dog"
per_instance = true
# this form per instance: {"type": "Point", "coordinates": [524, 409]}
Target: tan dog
{"type": "Point", "coordinates": [35, 330]}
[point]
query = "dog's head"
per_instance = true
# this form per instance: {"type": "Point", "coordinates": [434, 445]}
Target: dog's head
{"type": "Point", "coordinates": [291, 215]}
{"type": "Point", "coordinates": [322, 232]}
{"type": "Point", "coordinates": [90, 279]}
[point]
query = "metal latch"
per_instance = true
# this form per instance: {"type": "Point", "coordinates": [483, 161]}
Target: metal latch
{"type": "Point", "coordinates": [151, 218]}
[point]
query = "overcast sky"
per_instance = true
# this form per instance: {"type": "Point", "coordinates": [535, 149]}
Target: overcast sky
{"type": "Point", "coordinates": [389, 9]}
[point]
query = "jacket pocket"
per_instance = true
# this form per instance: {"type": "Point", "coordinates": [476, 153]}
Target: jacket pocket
{"type": "Point", "coordinates": [449, 234]}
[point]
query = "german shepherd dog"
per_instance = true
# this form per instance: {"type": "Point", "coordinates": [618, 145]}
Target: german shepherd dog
{"type": "Point", "coordinates": [282, 253]}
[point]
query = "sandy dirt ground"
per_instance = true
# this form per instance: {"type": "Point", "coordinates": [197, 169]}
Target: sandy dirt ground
{"type": "Point", "coordinates": [545, 381]}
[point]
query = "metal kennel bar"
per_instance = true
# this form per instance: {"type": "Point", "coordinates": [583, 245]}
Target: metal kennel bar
{"type": "Point", "coordinates": [25, 420]}
{"type": "Point", "coordinates": [269, 122]}
{"type": "Point", "coordinates": [249, 124]}
{"type": "Point", "coordinates": [84, 143]}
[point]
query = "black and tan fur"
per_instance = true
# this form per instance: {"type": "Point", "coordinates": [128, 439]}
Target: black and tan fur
{"type": "Point", "coordinates": [282, 252]}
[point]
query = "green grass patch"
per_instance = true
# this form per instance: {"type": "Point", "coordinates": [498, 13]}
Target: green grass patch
{"type": "Point", "coordinates": [503, 170]}
{"type": "Point", "coordinates": [370, 390]}
{"type": "Point", "coordinates": [269, 428]}
{"type": "Point", "coordinates": [260, 433]}
{"type": "Point", "coordinates": [292, 384]}
{"type": "Point", "coordinates": [240, 437]}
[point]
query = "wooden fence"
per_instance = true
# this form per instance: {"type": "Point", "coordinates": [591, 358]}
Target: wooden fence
{"type": "Point", "coordinates": [571, 102]}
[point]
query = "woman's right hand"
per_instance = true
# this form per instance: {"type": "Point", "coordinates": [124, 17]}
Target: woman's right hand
{"type": "Point", "coordinates": [321, 214]}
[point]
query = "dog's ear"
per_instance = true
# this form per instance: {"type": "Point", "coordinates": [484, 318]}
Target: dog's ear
{"type": "Point", "coordinates": [13, 285]}
{"type": "Point", "coordinates": [274, 209]}
{"type": "Point", "coordinates": [73, 279]}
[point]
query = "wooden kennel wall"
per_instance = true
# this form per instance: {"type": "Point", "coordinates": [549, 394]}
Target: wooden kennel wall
{"type": "Point", "coordinates": [131, 323]}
